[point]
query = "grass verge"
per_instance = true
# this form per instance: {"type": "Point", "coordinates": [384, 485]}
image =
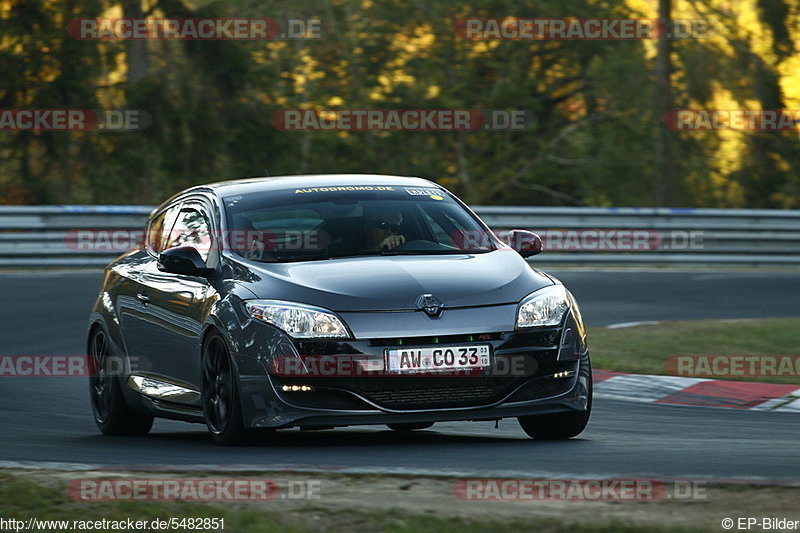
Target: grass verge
{"type": "Point", "coordinates": [398, 505]}
{"type": "Point", "coordinates": [644, 349]}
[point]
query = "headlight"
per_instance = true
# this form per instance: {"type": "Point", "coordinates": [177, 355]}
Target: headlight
{"type": "Point", "coordinates": [298, 320]}
{"type": "Point", "coordinates": [545, 307]}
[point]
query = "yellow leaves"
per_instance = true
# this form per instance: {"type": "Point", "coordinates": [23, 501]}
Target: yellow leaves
{"type": "Point", "coordinates": [727, 157]}
{"type": "Point", "coordinates": [790, 80]}
{"type": "Point", "coordinates": [400, 76]}
{"type": "Point", "coordinates": [258, 57]}
{"type": "Point", "coordinates": [335, 100]}
{"type": "Point", "coordinates": [299, 82]}
{"type": "Point", "coordinates": [310, 67]}
{"type": "Point", "coordinates": [574, 108]}
{"type": "Point", "coordinates": [339, 69]}
{"type": "Point", "coordinates": [306, 72]}
{"type": "Point", "coordinates": [479, 48]}
{"type": "Point", "coordinates": [387, 83]}
{"type": "Point", "coordinates": [275, 48]}
{"type": "Point", "coordinates": [422, 41]}
{"type": "Point", "coordinates": [119, 73]}
{"type": "Point", "coordinates": [327, 115]}
{"type": "Point", "coordinates": [419, 43]}
{"type": "Point", "coordinates": [113, 12]}
{"type": "Point", "coordinates": [406, 46]}
{"type": "Point", "coordinates": [432, 92]}
{"type": "Point", "coordinates": [759, 37]}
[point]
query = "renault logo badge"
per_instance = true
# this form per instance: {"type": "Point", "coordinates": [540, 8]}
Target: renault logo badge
{"type": "Point", "coordinates": [430, 304]}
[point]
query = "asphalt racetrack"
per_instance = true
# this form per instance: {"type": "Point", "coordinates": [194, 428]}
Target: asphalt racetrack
{"type": "Point", "coordinates": [48, 420]}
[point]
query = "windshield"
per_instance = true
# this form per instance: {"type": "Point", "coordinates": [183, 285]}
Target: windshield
{"type": "Point", "coordinates": [333, 222]}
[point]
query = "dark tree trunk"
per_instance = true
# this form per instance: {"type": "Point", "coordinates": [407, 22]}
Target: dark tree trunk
{"type": "Point", "coordinates": [136, 49]}
{"type": "Point", "coordinates": [665, 169]}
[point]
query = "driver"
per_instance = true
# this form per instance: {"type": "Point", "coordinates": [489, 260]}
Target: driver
{"type": "Point", "coordinates": [382, 228]}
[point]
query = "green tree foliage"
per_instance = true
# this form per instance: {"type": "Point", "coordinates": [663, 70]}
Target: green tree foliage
{"type": "Point", "coordinates": [589, 142]}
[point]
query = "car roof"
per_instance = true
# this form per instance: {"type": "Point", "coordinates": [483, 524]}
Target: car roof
{"type": "Point", "coordinates": [275, 183]}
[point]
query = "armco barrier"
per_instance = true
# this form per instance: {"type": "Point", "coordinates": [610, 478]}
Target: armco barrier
{"type": "Point", "coordinates": [34, 236]}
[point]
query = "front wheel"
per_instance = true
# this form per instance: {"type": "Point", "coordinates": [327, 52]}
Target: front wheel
{"type": "Point", "coordinates": [111, 413]}
{"type": "Point", "coordinates": [559, 426]}
{"type": "Point", "coordinates": [554, 426]}
{"type": "Point", "coordinates": [220, 394]}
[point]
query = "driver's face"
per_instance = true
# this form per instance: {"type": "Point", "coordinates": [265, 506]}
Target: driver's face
{"type": "Point", "coordinates": [381, 226]}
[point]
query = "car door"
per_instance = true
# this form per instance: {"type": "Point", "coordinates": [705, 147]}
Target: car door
{"type": "Point", "coordinates": [167, 332]}
{"type": "Point", "coordinates": [133, 288]}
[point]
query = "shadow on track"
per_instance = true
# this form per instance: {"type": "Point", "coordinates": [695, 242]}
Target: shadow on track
{"type": "Point", "coordinates": [296, 439]}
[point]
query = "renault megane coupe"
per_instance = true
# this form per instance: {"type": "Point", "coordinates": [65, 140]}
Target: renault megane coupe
{"type": "Point", "coordinates": [333, 300]}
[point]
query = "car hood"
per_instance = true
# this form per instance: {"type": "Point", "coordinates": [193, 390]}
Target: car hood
{"type": "Point", "coordinates": [397, 282]}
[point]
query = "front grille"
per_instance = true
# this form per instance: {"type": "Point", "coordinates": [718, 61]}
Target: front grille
{"type": "Point", "coordinates": [429, 392]}
{"type": "Point", "coordinates": [432, 398]}
{"type": "Point", "coordinates": [401, 393]}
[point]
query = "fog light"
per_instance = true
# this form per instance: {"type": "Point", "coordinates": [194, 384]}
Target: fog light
{"type": "Point", "coordinates": [563, 374]}
{"type": "Point", "coordinates": [296, 388]}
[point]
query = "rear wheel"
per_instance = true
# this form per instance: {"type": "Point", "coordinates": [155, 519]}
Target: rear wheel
{"type": "Point", "coordinates": [410, 426]}
{"type": "Point", "coordinates": [111, 413]}
{"type": "Point", "coordinates": [221, 405]}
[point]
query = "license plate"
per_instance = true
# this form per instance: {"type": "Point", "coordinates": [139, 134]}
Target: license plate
{"type": "Point", "coordinates": [437, 359]}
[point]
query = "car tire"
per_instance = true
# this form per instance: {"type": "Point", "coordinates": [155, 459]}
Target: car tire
{"type": "Point", "coordinates": [410, 426]}
{"type": "Point", "coordinates": [220, 394]}
{"type": "Point", "coordinates": [560, 426]}
{"type": "Point", "coordinates": [112, 414]}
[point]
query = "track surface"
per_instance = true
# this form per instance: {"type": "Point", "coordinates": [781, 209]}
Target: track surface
{"type": "Point", "coordinates": [48, 420]}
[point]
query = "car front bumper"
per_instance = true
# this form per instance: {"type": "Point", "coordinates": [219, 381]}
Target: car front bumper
{"type": "Point", "coordinates": [555, 377]}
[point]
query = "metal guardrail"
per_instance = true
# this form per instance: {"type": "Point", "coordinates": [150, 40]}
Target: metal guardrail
{"type": "Point", "coordinates": [36, 236]}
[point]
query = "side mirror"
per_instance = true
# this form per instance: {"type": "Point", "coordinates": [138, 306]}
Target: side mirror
{"type": "Point", "coordinates": [183, 260]}
{"type": "Point", "coordinates": [527, 243]}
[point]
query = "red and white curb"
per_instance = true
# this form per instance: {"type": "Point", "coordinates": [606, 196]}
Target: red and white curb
{"type": "Point", "coordinates": [696, 391]}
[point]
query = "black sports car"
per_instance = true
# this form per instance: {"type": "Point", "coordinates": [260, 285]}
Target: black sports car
{"type": "Point", "coordinates": [333, 300]}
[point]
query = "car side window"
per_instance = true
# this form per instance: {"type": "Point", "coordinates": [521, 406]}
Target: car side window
{"type": "Point", "coordinates": [159, 229]}
{"type": "Point", "coordinates": [191, 229]}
